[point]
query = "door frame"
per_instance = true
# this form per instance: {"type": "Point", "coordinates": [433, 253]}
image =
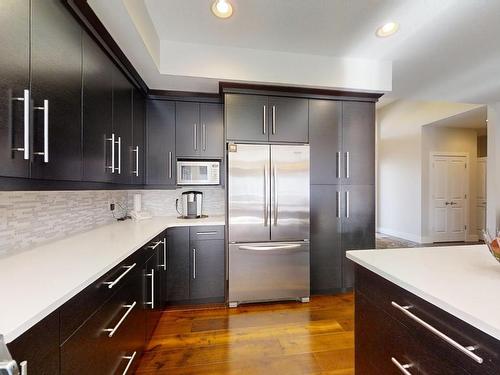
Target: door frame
{"type": "Point", "coordinates": [432, 155]}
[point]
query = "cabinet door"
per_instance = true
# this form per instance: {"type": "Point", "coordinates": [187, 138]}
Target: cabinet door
{"type": "Point", "coordinates": [152, 293]}
{"type": "Point", "coordinates": [326, 254]}
{"type": "Point", "coordinates": [247, 117]}
{"type": "Point", "coordinates": [97, 112]}
{"type": "Point", "coordinates": [14, 79]}
{"type": "Point", "coordinates": [160, 133]}
{"type": "Point", "coordinates": [139, 121]}
{"type": "Point", "coordinates": [56, 83]}
{"type": "Point", "coordinates": [207, 270]}
{"type": "Point", "coordinates": [358, 224]}
{"type": "Point", "coordinates": [187, 129]}
{"type": "Point", "coordinates": [358, 145]}
{"type": "Point", "coordinates": [288, 119]}
{"type": "Point", "coordinates": [122, 127]}
{"type": "Point", "coordinates": [325, 139]}
{"type": "Point", "coordinates": [178, 264]}
{"type": "Point", "coordinates": [212, 131]}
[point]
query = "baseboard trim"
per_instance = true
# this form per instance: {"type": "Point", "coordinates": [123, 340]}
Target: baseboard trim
{"type": "Point", "coordinates": [402, 235]}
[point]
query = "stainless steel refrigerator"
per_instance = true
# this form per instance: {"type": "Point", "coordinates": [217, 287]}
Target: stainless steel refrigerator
{"type": "Point", "coordinates": [268, 222]}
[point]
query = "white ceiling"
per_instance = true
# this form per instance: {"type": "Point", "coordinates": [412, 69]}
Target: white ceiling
{"type": "Point", "coordinates": [445, 49]}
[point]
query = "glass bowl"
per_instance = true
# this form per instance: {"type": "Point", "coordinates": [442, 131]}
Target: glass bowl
{"type": "Point", "coordinates": [493, 244]}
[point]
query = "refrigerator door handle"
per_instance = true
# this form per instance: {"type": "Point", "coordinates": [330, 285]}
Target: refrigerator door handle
{"type": "Point", "coordinates": [266, 207]}
{"type": "Point", "coordinates": [275, 195]}
{"type": "Point", "coordinates": [269, 248]}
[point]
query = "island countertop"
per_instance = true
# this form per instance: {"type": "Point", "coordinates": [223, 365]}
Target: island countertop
{"type": "Point", "coordinates": [36, 282]}
{"type": "Point", "coordinates": [461, 280]}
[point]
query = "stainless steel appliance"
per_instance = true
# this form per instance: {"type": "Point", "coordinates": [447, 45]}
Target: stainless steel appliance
{"type": "Point", "coordinates": [7, 365]}
{"type": "Point", "coordinates": [198, 172]}
{"type": "Point", "coordinates": [191, 205]}
{"type": "Point", "coordinates": [268, 222]}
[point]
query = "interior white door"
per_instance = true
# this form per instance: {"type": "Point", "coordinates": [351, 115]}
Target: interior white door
{"type": "Point", "coordinates": [481, 196]}
{"type": "Point", "coordinates": [449, 198]}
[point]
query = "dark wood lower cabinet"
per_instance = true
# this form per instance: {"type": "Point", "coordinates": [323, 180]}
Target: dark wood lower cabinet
{"type": "Point", "coordinates": [386, 338]}
{"type": "Point", "coordinates": [207, 270]}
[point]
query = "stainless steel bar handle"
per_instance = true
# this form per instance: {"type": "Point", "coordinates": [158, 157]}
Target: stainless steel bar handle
{"type": "Point", "coordinates": [204, 136]}
{"type": "Point", "coordinates": [24, 367]}
{"type": "Point", "coordinates": [45, 152]}
{"type": "Point", "coordinates": [467, 350]}
{"type": "Point", "coordinates": [264, 119]}
{"type": "Point", "coordinates": [266, 206]}
{"type": "Point", "coordinates": [164, 242]}
{"type": "Point", "coordinates": [347, 164]}
{"type": "Point", "coordinates": [194, 263]}
{"type": "Point", "coordinates": [403, 368]}
{"type": "Point", "coordinates": [152, 275]}
{"type": "Point", "coordinates": [170, 164]}
{"type": "Point", "coordinates": [267, 248]}
{"type": "Point", "coordinates": [274, 118]}
{"type": "Point", "coordinates": [338, 203]}
{"type": "Point", "coordinates": [119, 143]}
{"type": "Point", "coordinates": [111, 284]}
{"type": "Point", "coordinates": [347, 204]}
{"type": "Point", "coordinates": [136, 171]}
{"type": "Point", "coordinates": [275, 195]}
{"type": "Point", "coordinates": [26, 147]}
{"type": "Point", "coordinates": [339, 167]}
{"type": "Point", "coordinates": [207, 233]}
{"type": "Point", "coordinates": [113, 330]}
{"type": "Point", "coordinates": [155, 245]}
{"type": "Point", "coordinates": [112, 140]}
{"type": "Point", "coordinates": [130, 359]}
{"type": "Point", "coordinates": [195, 136]}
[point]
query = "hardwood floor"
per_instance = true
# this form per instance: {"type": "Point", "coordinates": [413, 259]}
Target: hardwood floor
{"type": "Point", "coordinates": [278, 338]}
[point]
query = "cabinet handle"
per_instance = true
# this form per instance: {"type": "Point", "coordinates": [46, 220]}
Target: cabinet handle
{"type": "Point", "coordinates": [206, 233]}
{"type": "Point", "coordinates": [111, 284]}
{"type": "Point", "coordinates": [347, 164]}
{"type": "Point", "coordinates": [152, 247]}
{"type": "Point", "coordinates": [113, 330]}
{"type": "Point", "coordinates": [130, 359]}
{"type": "Point", "coordinates": [136, 171]}
{"type": "Point", "coordinates": [339, 167]}
{"type": "Point", "coordinates": [337, 196]}
{"type": "Point", "coordinates": [164, 265]}
{"type": "Point", "coordinates": [194, 263]}
{"type": "Point", "coordinates": [26, 147]}
{"type": "Point", "coordinates": [170, 164]}
{"type": "Point", "coordinates": [112, 140]}
{"type": "Point", "coordinates": [264, 119]}
{"type": "Point", "coordinates": [467, 350]}
{"type": "Point", "coordinates": [119, 143]}
{"type": "Point", "coordinates": [195, 136]}
{"type": "Point", "coordinates": [274, 118]}
{"type": "Point", "coordinates": [45, 152]}
{"type": "Point", "coordinates": [403, 368]}
{"type": "Point", "coordinates": [347, 204]}
{"type": "Point", "coordinates": [152, 275]}
{"type": "Point", "coordinates": [204, 135]}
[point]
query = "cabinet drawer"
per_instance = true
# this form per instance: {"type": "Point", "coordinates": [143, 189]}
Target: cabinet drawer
{"type": "Point", "coordinates": [91, 350]}
{"type": "Point", "coordinates": [385, 343]}
{"type": "Point", "coordinates": [206, 232]}
{"type": "Point", "coordinates": [383, 293]}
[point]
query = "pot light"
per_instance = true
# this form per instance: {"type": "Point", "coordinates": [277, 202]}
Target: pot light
{"type": "Point", "coordinates": [222, 8]}
{"type": "Point", "coordinates": [387, 29]}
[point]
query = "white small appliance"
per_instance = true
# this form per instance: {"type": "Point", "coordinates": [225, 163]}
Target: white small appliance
{"type": "Point", "coordinates": [191, 205]}
{"type": "Point", "coordinates": [137, 213]}
{"type": "Point", "coordinates": [198, 172]}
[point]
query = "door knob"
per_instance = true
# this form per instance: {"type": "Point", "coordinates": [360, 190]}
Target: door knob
{"type": "Point", "coordinates": [447, 203]}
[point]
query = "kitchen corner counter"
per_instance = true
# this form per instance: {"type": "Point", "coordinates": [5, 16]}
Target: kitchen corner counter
{"type": "Point", "coordinates": [461, 280]}
{"type": "Point", "coordinates": [35, 283]}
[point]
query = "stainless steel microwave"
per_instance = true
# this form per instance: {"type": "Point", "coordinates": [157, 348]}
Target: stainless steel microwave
{"type": "Point", "coordinates": [193, 172]}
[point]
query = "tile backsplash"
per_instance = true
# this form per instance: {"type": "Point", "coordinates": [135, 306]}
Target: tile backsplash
{"type": "Point", "coordinates": [31, 218]}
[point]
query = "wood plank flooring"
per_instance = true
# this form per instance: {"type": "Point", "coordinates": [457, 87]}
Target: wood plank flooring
{"type": "Point", "coordinates": [275, 338]}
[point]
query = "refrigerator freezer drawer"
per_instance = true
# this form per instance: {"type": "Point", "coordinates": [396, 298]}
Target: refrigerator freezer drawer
{"type": "Point", "coordinates": [268, 271]}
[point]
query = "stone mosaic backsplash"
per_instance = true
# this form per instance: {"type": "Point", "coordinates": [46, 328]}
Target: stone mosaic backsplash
{"type": "Point", "coordinates": [31, 218]}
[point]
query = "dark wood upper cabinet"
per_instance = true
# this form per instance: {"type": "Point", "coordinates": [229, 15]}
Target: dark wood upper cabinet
{"type": "Point", "coordinates": [122, 127]}
{"type": "Point", "coordinates": [97, 93]}
{"type": "Point", "coordinates": [56, 83]}
{"type": "Point", "coordinates": [187, 129]}
{"type": "Point", "coordinates": [14, 79]}
{"type": "Point", "coordinates": [358, 143]}
{"type": "Point", "coordinates": [212, 130]}
{"type": "Point", "coordinates": [325, 138]}
{"type": "Point", "coordinates": [138, 152]}
{"type": "Point", "coordinates": [247, 117]}
{"type": "Point", "coordinates": [288, 119]}
{"type": "Point", "coordinates": [160, 133]}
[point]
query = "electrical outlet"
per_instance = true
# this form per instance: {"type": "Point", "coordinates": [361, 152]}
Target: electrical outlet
{"type": "Point", "coordinates": [111, 206]}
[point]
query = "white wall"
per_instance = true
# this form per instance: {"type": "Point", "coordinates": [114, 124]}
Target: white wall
{"type": "Point", "coordinates": [440, 139]}
{"type": "Point", "coordinates": [493, 166]}
{"type": "Point", "coordinates": [399, 163]}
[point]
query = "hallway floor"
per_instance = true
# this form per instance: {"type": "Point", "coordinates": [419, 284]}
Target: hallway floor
{"type": "Point", "coordinates": [279, 338]}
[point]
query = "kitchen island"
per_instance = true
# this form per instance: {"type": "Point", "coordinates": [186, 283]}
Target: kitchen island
{"type": "Point", "coordinates": [427, 311]}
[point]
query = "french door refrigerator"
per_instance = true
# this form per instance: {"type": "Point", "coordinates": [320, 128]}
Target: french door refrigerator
{"type": "Point", "coordinates": [268, 222]}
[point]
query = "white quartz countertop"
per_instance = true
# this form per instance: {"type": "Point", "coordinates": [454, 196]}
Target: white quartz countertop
{"type": "Point", "coordinates": [461, 280]}
{"type": "Point", "coordinates": [35, 283]}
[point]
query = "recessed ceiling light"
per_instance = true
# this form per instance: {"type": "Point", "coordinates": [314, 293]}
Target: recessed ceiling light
{"type": "Point", "coordinates": [387, 29]}
{"type": "Point", "coordinates": [222, 8]}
